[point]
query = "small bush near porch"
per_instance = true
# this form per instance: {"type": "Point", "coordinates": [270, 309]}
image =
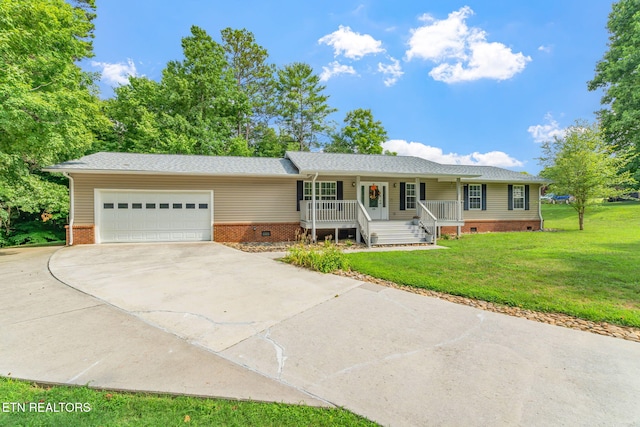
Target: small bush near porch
{"type": "Point", "coordinates": [324, 258]}
{"type": "Point", "coordinates": [592, 274]}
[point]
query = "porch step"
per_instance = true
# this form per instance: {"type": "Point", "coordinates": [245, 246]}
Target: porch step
{"type": "Point", "coordinates": [399, 233]}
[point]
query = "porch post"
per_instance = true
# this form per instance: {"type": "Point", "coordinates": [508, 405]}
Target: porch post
{"type": "Point", "coordinates": [418, 194]}
{"type": "Point", "coordinates": [358, 236]}
{"type": "Point", "coordinates": [458, 206]}
{"type": "Point", "coordinates": [313, 208]}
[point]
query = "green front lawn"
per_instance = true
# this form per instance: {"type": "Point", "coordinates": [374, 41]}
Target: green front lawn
{"type": "Point", "coordinates": [24, 404]}
{"type": "Point", "coordinates": [593, 274]}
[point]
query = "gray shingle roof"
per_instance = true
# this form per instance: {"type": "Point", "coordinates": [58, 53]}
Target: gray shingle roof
{"type": "Point", "coordinates": [495, 174]}
{"type": "Point", "coordinates": [177, 164]}
{"type": "Point", "coordinates": [368, 164]}
{"type": "Point", "coordinates": [294, 164]}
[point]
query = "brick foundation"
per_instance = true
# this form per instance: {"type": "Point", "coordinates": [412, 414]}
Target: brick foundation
{"type": "Point", "coordinates": [248, 232]}
{"type": "Point", "coordinates": [82, 234]}
{"type": "Point", "coordinates": [491, 226]}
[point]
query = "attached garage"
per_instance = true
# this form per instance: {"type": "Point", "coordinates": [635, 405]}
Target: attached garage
{"type": "Point", "coordinates": [153, 216]}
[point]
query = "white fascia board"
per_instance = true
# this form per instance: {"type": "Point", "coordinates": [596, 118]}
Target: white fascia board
{"type": "Point", "coordinates": [135, 172]}
{"type": "Point", "coordinates": [440, 177]}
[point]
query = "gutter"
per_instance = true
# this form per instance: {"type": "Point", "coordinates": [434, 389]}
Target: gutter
{"type": "Point", "coordinates": [71, 206]}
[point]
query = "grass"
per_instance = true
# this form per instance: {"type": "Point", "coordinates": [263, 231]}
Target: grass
{"type": "Point", "coordinates": [129, 409]}
{"type": "Point", "coordinates": [592, 274]}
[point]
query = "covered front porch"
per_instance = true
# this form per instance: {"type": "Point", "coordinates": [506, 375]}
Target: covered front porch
{"type": "Point", "coordinates": [424, 227]}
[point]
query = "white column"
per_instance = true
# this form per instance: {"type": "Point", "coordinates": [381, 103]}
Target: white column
{"type": "Point", "coordinates": [418, 193]}
{"type": "Point", "coordinates": [358, 236]}
{"type": "Point", "coordinates": [458, 206]}
{"type": "Point", "coordinates": [313, 208]}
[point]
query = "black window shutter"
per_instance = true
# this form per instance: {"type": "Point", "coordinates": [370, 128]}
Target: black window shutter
{"type": "Point", "coordinates": [484, 197]}
{"type": "Point", "coordinates": [526, 197]}
{"type": "Point", "coordinates": [339, 193]}
{"type": "Point", "coordinates": [423, 191]}
{"type": "Point", "coordinates": [466, 197]}
{"type": "Point", "coordinates": [510, 197]}
{"type": "Point", "coordinates": [402, 196]}
{"type": "Point", "coordinates": [300, 192]}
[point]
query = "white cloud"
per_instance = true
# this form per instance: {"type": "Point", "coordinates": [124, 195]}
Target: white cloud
{"type": "Point", "coordinates": [462, 53]}
{"type": "Point", "coordinates": [546, 49]}
{"type": "Point", "coordinates": [546, 132]}
{"type": "Point", "coordinates": [435, 154]}
{"type": "Point", "coordinates": [118, 73]}
{"type": "Point", "coordinates": [440, 40]}
{"type": "Point", "coordinates": [334, 69]}
{"type": "Point", "coordinates": [393, 71]}
{"type": "Point", "coordinates": [351, 44]}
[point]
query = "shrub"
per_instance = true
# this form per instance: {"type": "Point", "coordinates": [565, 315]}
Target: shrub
{"type": "Point", "coordinates": [326, 258]}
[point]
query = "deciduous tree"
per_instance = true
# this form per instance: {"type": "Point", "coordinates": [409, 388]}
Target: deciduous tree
{"type": "Point", "coordinates": [617, 73]}
{"type": "Point", "coordinates": [202, 89]}
{"type": "Point", "coordinates": [583, 165]}
{"type": "Point", "coordinates": [49, 109]}
{"type": "Point", "coordinates": [361, 134]}
{"type": "Point", "coordinates": [193, 109]}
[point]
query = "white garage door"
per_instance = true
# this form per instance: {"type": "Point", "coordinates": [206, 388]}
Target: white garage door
{"type": "Point", "coordinates": [154, 216]}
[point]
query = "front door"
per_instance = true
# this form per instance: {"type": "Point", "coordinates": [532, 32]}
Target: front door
{"type": "Point", "coordinates": [375, 198]}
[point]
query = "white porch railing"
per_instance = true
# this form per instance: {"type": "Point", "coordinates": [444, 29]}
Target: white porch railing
{"type": "Point", "coordinates": [363, 223]}
{"type": "Point", "coordinates": [444, 210]}
{"type": "Point", "coordinates": [428, 221]}
{"type": "Point", "coordinates": [329, 210]}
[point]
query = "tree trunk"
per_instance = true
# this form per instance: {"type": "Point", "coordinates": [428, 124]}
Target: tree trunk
{"type": "Point", "coordinates": [581, 218]}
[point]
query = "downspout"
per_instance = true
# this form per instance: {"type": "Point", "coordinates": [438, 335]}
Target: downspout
{"type": "Point", "coordinates": [71, 206]}
{"type": "Point", "coordinates": [313, 208]}
{"type": "Point", "coordinates": [540, 208]}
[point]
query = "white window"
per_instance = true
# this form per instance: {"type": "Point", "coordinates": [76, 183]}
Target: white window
{"type": "Point", "coordinates": [325, 190]}
{"type": "Point", "coordinates": [410, 195]}
{"type": "Point", "coordinates": [518, 197]}
{"type": "Point", "coordinates": [475, 196]}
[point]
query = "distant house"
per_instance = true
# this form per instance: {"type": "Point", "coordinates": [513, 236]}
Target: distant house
{"type": "Point", "coordinates": [124, 197]}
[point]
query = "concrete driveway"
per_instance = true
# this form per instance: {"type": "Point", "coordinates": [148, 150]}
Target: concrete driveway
{"type": "Point", "coordinates": [394, 357]}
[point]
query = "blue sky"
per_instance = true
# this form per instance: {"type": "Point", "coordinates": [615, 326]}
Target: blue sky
{"type": "Point", "coordinates": [473, 82]}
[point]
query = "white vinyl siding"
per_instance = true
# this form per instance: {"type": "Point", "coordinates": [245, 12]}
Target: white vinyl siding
{"type": "Point", "coordinates": [498, 207]}
{"type": "Point", "coordinates": [237, 199]}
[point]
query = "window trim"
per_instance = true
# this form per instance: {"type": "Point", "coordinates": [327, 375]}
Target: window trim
{"type": "Point", "coordinates": [410, 200]}
{"type": "Point", "coordinates": [522, 197]}
{"type": "Point", "coordinates": [306, 186]}
{"type": "Point", "coordinates": [478, 197]}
